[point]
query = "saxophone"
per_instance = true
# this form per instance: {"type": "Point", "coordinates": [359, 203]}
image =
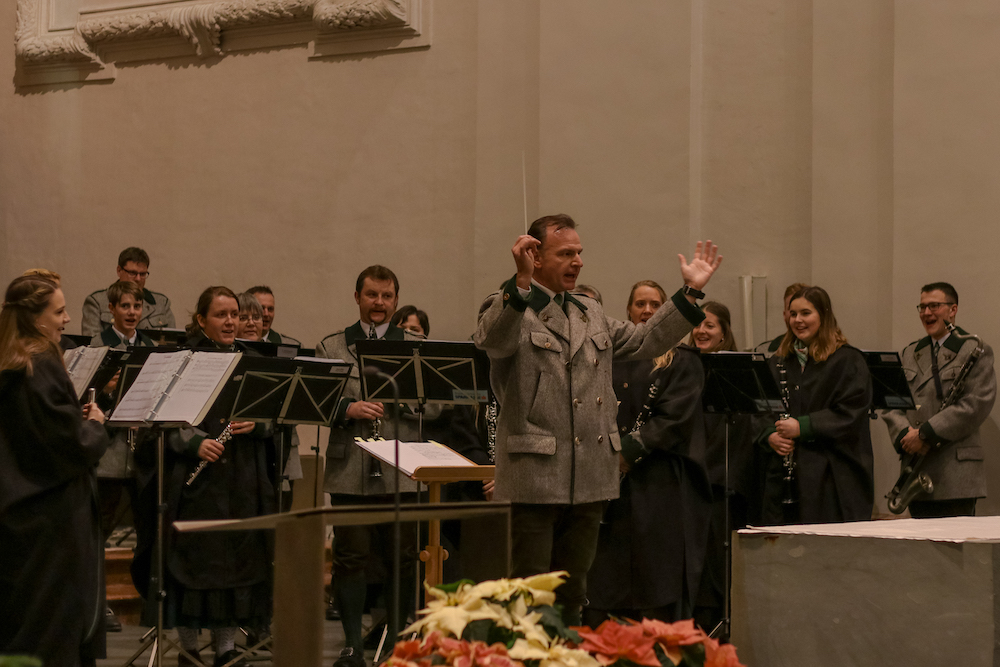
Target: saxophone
{"type": "Point", "coordinates": [789, 483]}
{"type": "Point", "coordinates": [912, 482]}
{"type": "Point", "coordinates": [224, 437]}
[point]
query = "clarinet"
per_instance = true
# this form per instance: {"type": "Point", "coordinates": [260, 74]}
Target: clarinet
{"type": "Point", "coordinates": [645, 412]}
{"type": "Point", "coordinates": [789, 483]}
{"type": "Point", "coordinates": [374, 465]}
{"type": "Point", "coordinates": [224, 437]}
{"type": "Point", "coordinates": [912, 482]}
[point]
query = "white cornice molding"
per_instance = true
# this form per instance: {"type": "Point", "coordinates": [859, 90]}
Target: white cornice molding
{"type": "Point", "coordinates": [210, 30]}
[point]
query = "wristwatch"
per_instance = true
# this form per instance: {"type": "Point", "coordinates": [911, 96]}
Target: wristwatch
{"type": "Point", "coordinates": [690, 291]}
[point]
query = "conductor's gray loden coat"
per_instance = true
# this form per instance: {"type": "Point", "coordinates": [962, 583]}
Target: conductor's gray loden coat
{"type": "Point", "coordinates": [557, 440]}
{"type": "Point", "coordinates": [956, 466]}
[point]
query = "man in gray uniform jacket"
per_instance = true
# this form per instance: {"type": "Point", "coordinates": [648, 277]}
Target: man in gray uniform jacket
{"type": "Point", "coordinates": [133, 265]}
{"type": "Point", "coordinates": [557, 446]}
{"type": "Point", "coordinates": [352, 476]}
{"type": "Point", "coordinates": [949, 437]}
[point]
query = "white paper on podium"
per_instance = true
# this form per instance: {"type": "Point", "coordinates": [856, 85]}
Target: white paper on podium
{"type": "Point", "coordinates": [952, 529]}
{"type": "Point", "coordinates": [413, 455]}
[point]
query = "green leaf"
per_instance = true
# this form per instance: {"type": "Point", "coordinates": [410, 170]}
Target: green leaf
{"type": "Point", "coordinates": [454, 586]}
{"type": "Point", "coordinates": [552, 621]}
{"type": "Point", "coordinates": [478, 631]}
{"type": "Point", "coordinates": [694, 655]}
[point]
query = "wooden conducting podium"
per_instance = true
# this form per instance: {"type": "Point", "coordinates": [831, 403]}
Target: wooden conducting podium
{"type": "Point", "coordinates": [433, 464]}
{"type": "Point", "coordinates": [899, 592]}
{"type": "Point", "coordinates": [298, 562]}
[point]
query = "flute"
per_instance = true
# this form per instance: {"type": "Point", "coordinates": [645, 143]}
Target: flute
{"type": "Point", "coordinates": [224, 437]}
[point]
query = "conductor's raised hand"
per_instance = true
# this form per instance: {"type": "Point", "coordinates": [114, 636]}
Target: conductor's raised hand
{"type": "Point", "coordinates": [525, 250]}
{"type": "Point", "coordinates": [365, 410]}
{"type": "Point", "coordinates": [704, 263]}
{"type": "Point", "coordinates": [210, 450]}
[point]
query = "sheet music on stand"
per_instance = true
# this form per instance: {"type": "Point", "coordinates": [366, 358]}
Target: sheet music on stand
{"type": "Point", "coordinates": [415, 455]}
{"type": "Point", "coordinates": [82, 363]}
{"type": "Point", "coordinates": [174, 387]}
{"type": "Point", "coordinates": [427, 371]}
{"type": "Point", "coordinates": [739, 383]}
{"type": "Point", "coordinates": [890, 390]}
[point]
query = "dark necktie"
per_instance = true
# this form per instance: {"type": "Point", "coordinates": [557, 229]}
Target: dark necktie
{"type": "Point", "coordinates": [372, 334]}
{"type": "Point", "coordinates": [934, 371]}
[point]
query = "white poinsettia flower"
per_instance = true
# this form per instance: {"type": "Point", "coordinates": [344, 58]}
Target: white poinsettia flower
{"type": "Point", "coordinates": [526, 650]}
{"type": "Point", "coordinates": [556, 655]}
{"type": "Point", "coordinates": [548, 581]}
{"type": "Point", "coordinates": [528, 626]}
{"type": "Point", "coordinates": [561, 655]}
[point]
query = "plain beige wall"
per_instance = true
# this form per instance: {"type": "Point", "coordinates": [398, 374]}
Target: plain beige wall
{"type": "Point", "coordinates": [849, 143]}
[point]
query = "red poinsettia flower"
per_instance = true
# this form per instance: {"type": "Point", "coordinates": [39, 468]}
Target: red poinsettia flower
{"type": "Point", "coordinates": [720, 656]}
{"type": "Point", "coordinates": [611, 642]}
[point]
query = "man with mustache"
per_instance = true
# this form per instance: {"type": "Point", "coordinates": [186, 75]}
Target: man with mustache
{"type": "Point", "coordinates": [949, 437]}
{"type": "Point", "coordinates": [352, 476]}
{"type": "Point", "coordinates": [557, 443]}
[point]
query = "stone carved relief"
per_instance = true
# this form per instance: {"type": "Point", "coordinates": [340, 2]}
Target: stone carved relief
{"type": "Point", "coordinates": [199, 29]}
{"type": "Point", "coordinates": [360, 14]}
{"type": "Point", "coordinates": [32, 45]}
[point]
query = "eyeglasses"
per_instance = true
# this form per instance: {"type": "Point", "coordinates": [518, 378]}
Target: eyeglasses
{"type": "Point", "coordinates": [246, 317]}
{"type": "Point", "coordinates": [136, 274]}
{"type": "Point", "coordinates": [934, 305]}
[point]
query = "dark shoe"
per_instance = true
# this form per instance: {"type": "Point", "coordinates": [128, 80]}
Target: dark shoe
{"type": "Point", "coordinates": [184, 661]}
{"type": "Point", "coordinates": [111, 622]}
{"type": "Point", "coordinates": [348, 658]}
{"type": "Point", "coordinates": [226, 657]}
{"type": "Point", "coordinates": [332, 613]}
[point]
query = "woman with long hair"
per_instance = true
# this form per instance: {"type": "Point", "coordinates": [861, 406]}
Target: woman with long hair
{"type": "Point", "coordinates": [651, 544]}
{"type": "Point", "coordinates": [219, 581]}
{"type": "Point", "coordinates": [51, 552]}
{"type": "Point", "coordinates": [827, 434]}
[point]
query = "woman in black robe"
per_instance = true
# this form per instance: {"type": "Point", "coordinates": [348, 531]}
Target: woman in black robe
{"type": "Point", "coordinates": [652, 542]}
{"type": "Point", "coordinates": [219, 580]}
{"type": "Point", "coordinates": [51, 552]}
{"type": "Point", "coordinates": [829, 395]}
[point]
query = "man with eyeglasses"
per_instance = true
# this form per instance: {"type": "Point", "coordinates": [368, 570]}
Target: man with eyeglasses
{"type": "Point", "coordinates": [133, 266]}
{"type": "Point", "coordinates": [948, 437]}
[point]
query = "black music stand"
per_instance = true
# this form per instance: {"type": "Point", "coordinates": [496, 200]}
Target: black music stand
{"type": "Point", "coordinates": [443, 372]}
{"type": "Point", "coordinates": [423, 371]}
{"type": "Point", "coordinates": [287, 391]}
{"type": "Point", "coordinates": [736, 383]}
{"type": "Point", "coordinates": [166, 337]}
{"type": "Point", "coordinates": [890, 390]}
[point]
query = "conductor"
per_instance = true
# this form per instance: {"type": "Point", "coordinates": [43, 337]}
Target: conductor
{"type": "Point", "coordinates": [557, 446]}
